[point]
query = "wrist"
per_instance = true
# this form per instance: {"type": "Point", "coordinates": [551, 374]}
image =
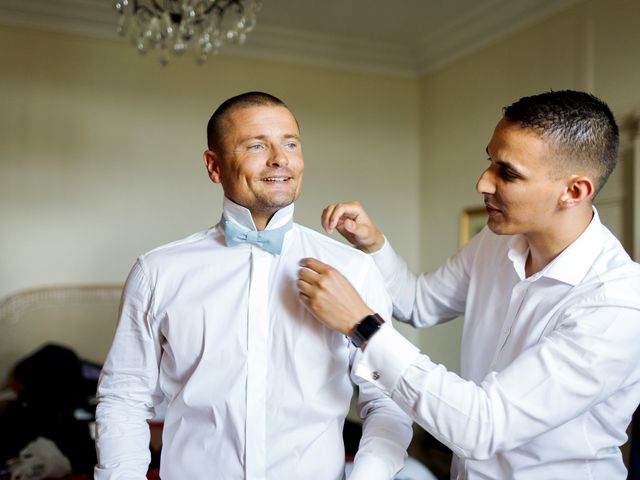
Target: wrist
{"type": "Point", "coordinates": [366, 328]}
{"type": "Point", "coordinates": [375, 245]}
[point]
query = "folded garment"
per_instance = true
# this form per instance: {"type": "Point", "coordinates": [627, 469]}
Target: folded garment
{"type": "Point", "coordinates": [38, 460]}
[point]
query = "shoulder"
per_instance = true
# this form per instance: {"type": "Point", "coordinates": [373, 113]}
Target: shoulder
{"type": "Point", "coordinates": [170, 252]}
{"type": "Point", "coordinates": [317, 243]}
{"type": "Point", "coordinates": [613, 278]}
{"type": "Point", "coordinates": [354, 264]}
{"type": "Point", "coordinates": [617, 275]}
{"type": "Point", "coordinates": [357, 266]}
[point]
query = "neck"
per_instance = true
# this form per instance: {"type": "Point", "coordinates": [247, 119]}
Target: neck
{"type": "Point", "coordinates": [256, 218]}
{"type": "Point", "coordinates": [261, 221]}
{"type": "Point", "coordinates": [547, 245]}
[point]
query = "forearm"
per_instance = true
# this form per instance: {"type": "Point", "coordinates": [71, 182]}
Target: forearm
{"type": "Point", "coordinates": [399, 280]}
{"type": "Point", "coordinates": [122, 441]}
{"type": "Point", "coordinates": [457, 412]}
{"type": "Point", "coordinates": [577, 366]}
{"type": "Point", "coordinates": [386, 435]}
{"type": "Point", "coordinates": [126, 399]}
{"type": "Point", "coordinates": [427, 299]}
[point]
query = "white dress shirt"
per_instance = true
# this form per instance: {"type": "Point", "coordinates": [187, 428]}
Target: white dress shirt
{"type": "Point", "coordinates": [256, 387]}
{"type": "Point", "coordinates": [550, 372]}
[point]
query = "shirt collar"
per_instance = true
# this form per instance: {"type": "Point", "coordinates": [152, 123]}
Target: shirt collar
{"type": "Point", "coordinates": [242, 216]}
{"type": "Point", "coordinates": [572, 264]}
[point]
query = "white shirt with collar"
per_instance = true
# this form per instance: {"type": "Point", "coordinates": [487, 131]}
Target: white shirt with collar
{"type": "Point", "coordinates": [256, 387]}
{"type": "Point", "coordinates": [550, 372]}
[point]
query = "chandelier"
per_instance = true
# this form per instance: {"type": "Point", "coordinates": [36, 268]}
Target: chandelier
{"type": "Point", "coordinates": [175, 26]}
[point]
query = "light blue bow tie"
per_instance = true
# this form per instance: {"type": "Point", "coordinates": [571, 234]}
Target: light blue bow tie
{"type": "Point", "coordinates": [269, 240]}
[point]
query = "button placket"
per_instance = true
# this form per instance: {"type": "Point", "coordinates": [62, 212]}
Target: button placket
{"type": "Point", "coordinates": [517, 297]}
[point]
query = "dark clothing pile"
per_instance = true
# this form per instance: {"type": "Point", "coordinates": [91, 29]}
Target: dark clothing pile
{"type": "Point", "coordinates": [56, 400]}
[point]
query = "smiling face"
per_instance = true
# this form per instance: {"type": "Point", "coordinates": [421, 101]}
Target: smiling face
{"type": "Point", "coordinates": [521, 191]}
{"type": "Point", "coordinates": [260, 163]}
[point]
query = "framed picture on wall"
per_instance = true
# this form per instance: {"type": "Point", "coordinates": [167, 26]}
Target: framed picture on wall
{"type": "Point", "coordinates": [472, 220]}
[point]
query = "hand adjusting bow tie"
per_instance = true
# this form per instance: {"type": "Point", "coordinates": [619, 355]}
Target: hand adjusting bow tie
{"type": "Point", "coordinates": [269, 240]}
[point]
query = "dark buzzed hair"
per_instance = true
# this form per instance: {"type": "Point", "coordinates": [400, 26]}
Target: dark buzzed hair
{"type": "Point", "coordinates": [215, 126]}
{"type": "Point", "coordinates": [579, 127]}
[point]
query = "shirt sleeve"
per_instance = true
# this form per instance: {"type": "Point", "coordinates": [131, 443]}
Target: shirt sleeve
{"type": "Point", "coordinates": [589, 356]}
{"type": "Point", "coordinates": [386, 431]}
{"type": "Point", "coordinates": [127, 389]}
{"type": "Point", "coordinates": [430, 298]}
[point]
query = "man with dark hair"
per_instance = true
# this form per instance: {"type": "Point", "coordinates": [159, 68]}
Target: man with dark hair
{"type": "Point", "coordinates": [551, 302]}
{"type": "Point", "coordinates": [579, 128]}
{"type": "Point", "coordinates": [255, 387]}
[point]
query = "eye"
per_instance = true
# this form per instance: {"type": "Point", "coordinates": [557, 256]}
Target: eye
{"type": "Point", "coordinates": [508, 174]}
{"type": "Point", "coordinates": [504, 171]}
{"type": "Point", "coordinates": [291, 145]}
{"type": "Point", "coordinates": [256, 147]}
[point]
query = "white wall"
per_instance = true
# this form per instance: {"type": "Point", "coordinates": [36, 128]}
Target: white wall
{"type": "Point", "coordinates": [101, 151]}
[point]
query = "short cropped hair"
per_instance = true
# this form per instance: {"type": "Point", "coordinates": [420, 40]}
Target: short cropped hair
{"type": "Point", "coordinates": [578, 126]}
{"type": "Point", "coordinates": [215, 126]}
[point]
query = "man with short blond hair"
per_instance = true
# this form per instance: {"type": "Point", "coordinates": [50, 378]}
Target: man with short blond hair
{"type": "Point", "coordinates": [255, 387]}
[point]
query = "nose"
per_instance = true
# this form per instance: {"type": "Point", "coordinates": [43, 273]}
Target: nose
{"type": "Point", "coordinates": [278, 157]}
{"type": "Point", "coordinates": [486, 184]}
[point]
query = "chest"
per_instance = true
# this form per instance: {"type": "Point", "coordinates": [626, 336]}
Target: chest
{"type": "Point", "coordinates": [235, 307]}
{"type": "Point", "coordinates": [505, 317]}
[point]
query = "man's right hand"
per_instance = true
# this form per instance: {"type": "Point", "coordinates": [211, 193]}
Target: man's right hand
{"type": "Point", "coordinates": [353, 223]}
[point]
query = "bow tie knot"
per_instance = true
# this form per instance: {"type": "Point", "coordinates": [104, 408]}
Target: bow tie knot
{"type": "Point", "coordinates": [269, 240]}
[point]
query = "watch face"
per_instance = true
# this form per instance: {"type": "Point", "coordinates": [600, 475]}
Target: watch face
{"type": "Point", "coordinates": [366, 328]}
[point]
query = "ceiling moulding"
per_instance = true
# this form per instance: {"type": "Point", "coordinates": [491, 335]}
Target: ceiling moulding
{"type": "Point", "coordinates": [488, 23]}
{"type": "Point", "coordinates": [85, 17]}
{"type": "Point", "coordinates": [268, 43]}
{"type": "Point", "coordinates": [329, 51]}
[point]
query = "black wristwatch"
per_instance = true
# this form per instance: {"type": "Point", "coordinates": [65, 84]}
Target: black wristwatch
{"type": "Point", "coordinates": [364, 330]}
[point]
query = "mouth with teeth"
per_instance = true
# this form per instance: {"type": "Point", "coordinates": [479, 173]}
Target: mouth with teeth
{"type": "Point", "coordinates": [276, 179]}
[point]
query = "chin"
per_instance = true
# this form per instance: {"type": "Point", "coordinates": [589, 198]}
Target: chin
{"type": "Point", "coordinates": [279, 201]}
{"type": "Point", "coordinates": [499, 229]}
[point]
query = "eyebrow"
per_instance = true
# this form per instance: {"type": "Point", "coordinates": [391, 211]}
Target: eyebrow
{"type": "Point", "coordinates": [264, 137]}
{"type": "Point", "coordinates": [504, 164]}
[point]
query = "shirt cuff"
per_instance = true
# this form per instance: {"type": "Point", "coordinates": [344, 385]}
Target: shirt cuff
{"type": "Point", "coordinates": [385, 258]}
{"type": "Point", "coordinates": [386, 357]}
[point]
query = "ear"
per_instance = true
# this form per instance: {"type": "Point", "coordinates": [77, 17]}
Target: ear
{"type": "Point", "coordinates": [579, 189]}
{"type": "Point", "coordinates": [212, 162]}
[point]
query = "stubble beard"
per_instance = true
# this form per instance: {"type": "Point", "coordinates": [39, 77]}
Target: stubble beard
{"type": "Point", "coordinates": [273, 203]}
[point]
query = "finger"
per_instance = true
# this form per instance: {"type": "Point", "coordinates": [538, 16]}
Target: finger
{"type": "Point", "coordinates": [315, 265]}
{"type": "Point", "coordinates": [304, 298]}
{"type": "Point", "coordinates": [304, 288]}
{"type": "Point", "coordinates": [307, 275]}
{"type": "Point", "coordinates": [325, 219]}
{"type": "Point", "coordinates": [337, 211]}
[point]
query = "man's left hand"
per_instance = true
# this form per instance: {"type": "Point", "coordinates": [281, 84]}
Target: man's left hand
{"type": "Point", "coordinates": [330, 296]}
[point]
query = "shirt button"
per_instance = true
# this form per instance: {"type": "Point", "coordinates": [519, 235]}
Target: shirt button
{"type": "Point", "coordinates": [375, 375]}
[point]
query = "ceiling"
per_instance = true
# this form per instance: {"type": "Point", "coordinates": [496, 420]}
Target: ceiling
{"type": "Point", "coordinates": [405, 37]}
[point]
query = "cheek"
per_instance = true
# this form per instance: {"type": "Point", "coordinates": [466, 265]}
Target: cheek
{"type": "Point", "coordinates": [298, 163]}
{"type": "Point", "coordinates": [514, 200]}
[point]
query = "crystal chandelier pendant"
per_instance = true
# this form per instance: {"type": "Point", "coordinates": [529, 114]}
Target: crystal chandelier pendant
{"type": "Point", "coordinates": [174, 26]}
